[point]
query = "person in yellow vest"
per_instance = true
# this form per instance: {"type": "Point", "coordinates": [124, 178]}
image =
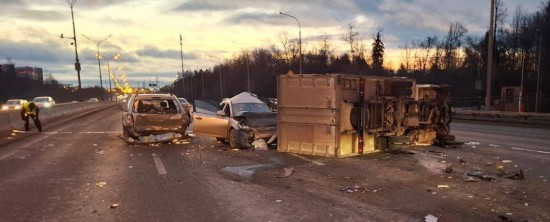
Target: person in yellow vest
{"type": "Point", "coordinates": [30, 109]}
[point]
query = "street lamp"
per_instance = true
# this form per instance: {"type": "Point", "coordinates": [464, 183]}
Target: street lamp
{"type": "Point", "coordinates": [98, 56]}
{"type": "Point", "coordinates": [299, 34]}
{"type": "Point", "coordinates": [77, 61]}
{"type": "Point", "coordinates": [116, 56]}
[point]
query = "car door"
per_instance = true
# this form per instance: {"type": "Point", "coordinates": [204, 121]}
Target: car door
{"type": "Point", "coordinates": [207, 122]}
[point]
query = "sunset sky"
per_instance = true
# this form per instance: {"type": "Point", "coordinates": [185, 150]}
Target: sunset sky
{"type": "Point", "coordinates": [146, 32]}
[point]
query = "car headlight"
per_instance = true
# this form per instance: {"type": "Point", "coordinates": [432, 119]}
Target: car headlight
{"type": "Point", "coordinates": [17, 107]}
{"type": "Point", "coordinates": [4, 107]}
{"type": "Point", "coordinates": [47, 104]}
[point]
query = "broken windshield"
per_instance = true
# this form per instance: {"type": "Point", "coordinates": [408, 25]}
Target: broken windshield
{"type": "Point", "coordinates": [240, 108]}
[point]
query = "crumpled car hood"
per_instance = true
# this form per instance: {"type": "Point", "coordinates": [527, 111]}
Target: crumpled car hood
{"type": "Point", "coordinates": [260, 119]}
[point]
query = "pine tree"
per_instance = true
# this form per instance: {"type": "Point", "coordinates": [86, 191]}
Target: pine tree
{"type": "Point", "coordinates": [377, 53]}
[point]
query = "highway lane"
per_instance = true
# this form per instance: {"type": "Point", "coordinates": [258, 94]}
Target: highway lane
{"type": "Point", "coordinates": [78, 170]}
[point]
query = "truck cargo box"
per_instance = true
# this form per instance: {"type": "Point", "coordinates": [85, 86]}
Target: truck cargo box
{"type": "Point", "coordinates": [339, 115]}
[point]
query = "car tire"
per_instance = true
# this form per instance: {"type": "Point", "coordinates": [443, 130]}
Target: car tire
{"type": "Point", "coordinates": [233, 139]}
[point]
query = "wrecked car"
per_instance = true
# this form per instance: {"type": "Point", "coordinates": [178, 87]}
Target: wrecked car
{"type": "Point", "coordinates": [153, 114]}
{"type": "Point", "coordinates": [241, 120]}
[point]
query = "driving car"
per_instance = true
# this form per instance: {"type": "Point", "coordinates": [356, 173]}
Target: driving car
{"type": "Point", "coordinates": [241, 120]}
{"type": "Point", "coordinates": [44, 101]}
{"type": "Point", "coordinates": [13, 104]}
{"type": "Point", "coordinates": [153, 114]}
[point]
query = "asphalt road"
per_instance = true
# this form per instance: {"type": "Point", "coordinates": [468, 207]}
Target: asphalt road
{"type": "Point", "coordinates": [83, 171]}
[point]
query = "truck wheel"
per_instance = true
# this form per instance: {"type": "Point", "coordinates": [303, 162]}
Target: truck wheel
{"type": "Point", "coordinates": [233, 139]}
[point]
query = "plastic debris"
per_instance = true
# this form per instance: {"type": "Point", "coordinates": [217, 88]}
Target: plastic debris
{"type": "Point", "coordinates": [442, 186]}
{"type": "Point", "coordinates": [430, 218]}
{"type": "Point", "coordinates": [287, 172]}
{"type": "Point", "coordinates": [278, 201]}
{"type": "Point", "coordinates": [101, 184]}
{"type": "Point", "coordinates": [259, 145]}
{"type": "Point", "coordinates": [115, 205]}
{"type": "Point", "coordinates": [101, 152]}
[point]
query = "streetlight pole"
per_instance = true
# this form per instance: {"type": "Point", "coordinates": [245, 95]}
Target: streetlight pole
{"type": "Point", "coordinates": [538, 72]}
{"type": "Point", "coordinates": [300, 37]}
{"type": "Point", "coordinates": [248, 71]}
{"type": "Point", "coordinates": [77, 61]}
{"type": "Point", "coordinates": [98, 43]}
{"type": "Point", "coordinates": [490, 59]}
{"type": "Point", "coordinates": [182, 78]}
{"type": "Point", "coordinates": [520, 109]}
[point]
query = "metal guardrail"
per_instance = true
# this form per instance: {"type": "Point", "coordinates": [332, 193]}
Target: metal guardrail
{"type": "Point", "coordinates": [11, 119]}
{"type": "Point", "coordinates": [542, 119]}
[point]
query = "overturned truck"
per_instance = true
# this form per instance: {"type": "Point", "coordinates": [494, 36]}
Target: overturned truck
{"type": "Point", "coordinates": [340, 115]}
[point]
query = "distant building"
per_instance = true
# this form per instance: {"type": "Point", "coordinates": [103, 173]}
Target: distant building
{"type": "Point", "coordinates": [7, 70]}
{"type": "Point", "coordinates": [33, 73]}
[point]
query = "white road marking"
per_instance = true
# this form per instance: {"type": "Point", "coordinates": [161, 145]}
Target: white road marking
{"type": "Point", "coordinates": [306, 159]}
{"type": "Point", "coordinates": [26, 145]}
{"type": "Point", "coordinates": [160, 167]}
{"type": "Point", "coordinates": [530, 150]}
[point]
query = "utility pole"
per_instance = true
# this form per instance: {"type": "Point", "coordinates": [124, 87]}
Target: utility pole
{"type": "Point", "coordinates": [538, 73]}
{"type": "Point", "coordinates": [490, 59]}
{"type": "Point", "coordinates": [182, 76]}
{"type": "Point", "coordinates": [248, 71]}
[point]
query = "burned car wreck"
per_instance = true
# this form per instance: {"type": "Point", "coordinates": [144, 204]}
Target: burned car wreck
{"type": "Point", "coordinates": [154, 118]}
{"type": "Point", "coordinates": [241, 120]}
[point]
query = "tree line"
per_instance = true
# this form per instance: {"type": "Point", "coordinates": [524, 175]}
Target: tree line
{"type": "Point", "coordinates": [456, 58]}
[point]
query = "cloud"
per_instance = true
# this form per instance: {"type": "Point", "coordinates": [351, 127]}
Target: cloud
{"type": "Point", "coordinates": [41, 15]}
{"type": "Point", "coordinates": [199, 5]}
{"type": "Point", "coordinates": [152, 51]}
{"type": "Point", "coordinates": [49, 51]}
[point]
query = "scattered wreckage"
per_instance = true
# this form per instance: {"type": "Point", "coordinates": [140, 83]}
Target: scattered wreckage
{"type": "Point", "coordinates": [340, 115]}
{"type": "Point", "coordinates": [243, 120]}
{"type": "Point", "coordinates": [153, 118]}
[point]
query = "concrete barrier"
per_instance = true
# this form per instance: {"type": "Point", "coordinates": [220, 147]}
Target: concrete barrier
{"type": "Point", "coordinates": [10, 120]}
{"type": "Point", "coordinates": [542, 119]}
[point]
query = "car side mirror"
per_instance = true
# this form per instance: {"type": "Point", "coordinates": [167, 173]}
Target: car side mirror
{"type": "Point", "coordinates": [220, 113]}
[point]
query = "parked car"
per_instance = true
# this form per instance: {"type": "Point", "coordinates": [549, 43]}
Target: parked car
{"type": "Point", "coordinates": [13, 104]}
{"type": "Point", "coordinates": [241, 119]}
{"type": "Point", "coordinates": [153, 114]}
{"type": "Point", "coordinates": [44, 101]}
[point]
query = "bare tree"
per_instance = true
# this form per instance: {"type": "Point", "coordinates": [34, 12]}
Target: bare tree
{"type": "Point", "coordinates": [350, 37]}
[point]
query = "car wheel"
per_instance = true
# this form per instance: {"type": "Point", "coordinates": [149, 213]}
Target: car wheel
{"type": "Point", "coordinates": [233, 139]}
{"type": "Point", "coordinates": [125, 132]}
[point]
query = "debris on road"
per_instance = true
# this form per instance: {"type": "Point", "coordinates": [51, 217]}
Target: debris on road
{"type": "Point", "coordinates": [430, 218]}
{"type": "Point", "coordinates": [467, 178]}
{"type": "Point", "coordinates": [287, 172]}
{"type": "Point", "coordinates": [355, 189]}
{"type": "Point", "coordinates": [448, 170]}
{"type": "Point", "coordinates": [278, 201]}
{"type": "Point", "coordinates": [100, 152]}
{"type": "Point", "coordinates": [259, 144]}
{"type": "Point", "coordinates": [115, 205]}
{"type": "Point", "coordinates": [442, 186]}
{"type": "Point", "coordinates": [151, 139]}
{"type": "Point", "coordinates": [506, 161]}
{"type": "Point", "coordinates": [471, 143]}
{"type": "Point", "coordinates": [479, 174]}
{"type": "Point", "coordinates": [101, 184]}
{"type": "Point", "coordinates": [94, 211]}
{"type": "Point", "coordinates": [519, 175]}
